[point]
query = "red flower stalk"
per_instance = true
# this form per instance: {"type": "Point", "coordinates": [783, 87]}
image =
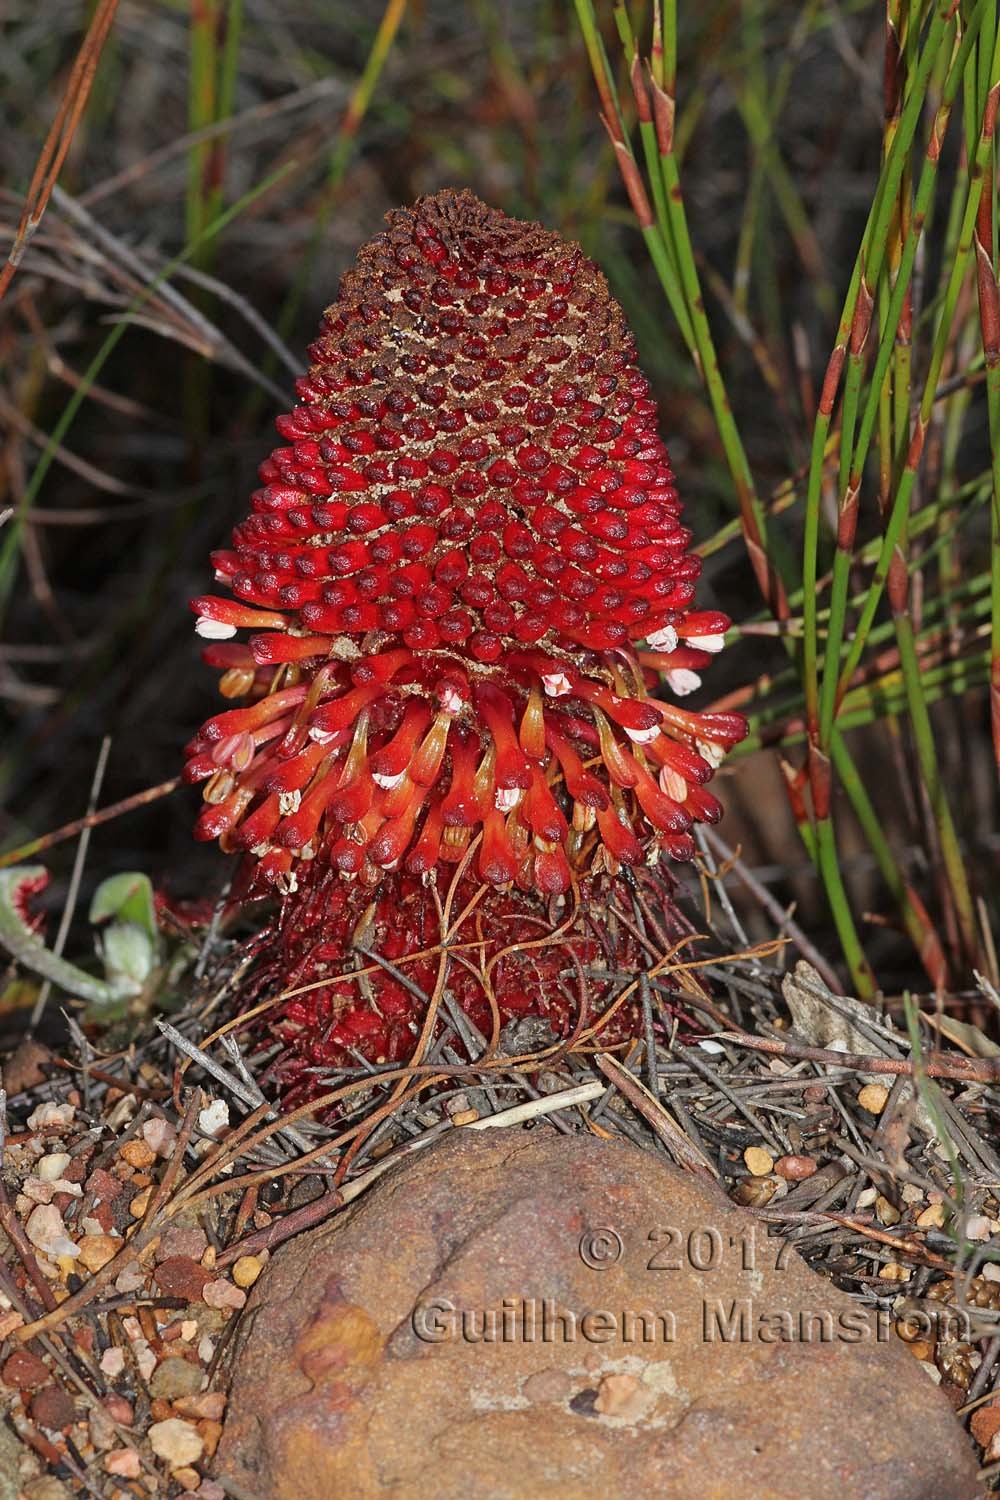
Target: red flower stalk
{"type": "Point", "coordinates": [356, 970]}
{"type": "Point", "coordinates": [445, 571]}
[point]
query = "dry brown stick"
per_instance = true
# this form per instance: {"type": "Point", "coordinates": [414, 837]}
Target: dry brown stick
{"type": "Point", "coordinates": [307, 1217]}
{"type": "Point", "coordinates": [906, 1243]}
{"type": "Point", "coordinates": [654, 1113]}
{"type": "Point", "coordinates": [60, 136]}
{"type": "Point", "coordinates": [93, 820]}
{"type": "Point", "coordinates": [965, 1069]}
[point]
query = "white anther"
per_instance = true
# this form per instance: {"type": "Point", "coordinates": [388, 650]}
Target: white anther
{"type": "Point", "coordinates": [388, 782]}
{"type": "Point", "coordinates": [682, 682]}
{"type": "Point", "coordinates": [452, 702]}
{"type": "Point", "coordinates": [213, 630]}
{"type": "Point", "coordinates": [672, 784]}
{"type": "Point", "coordinates": [663, 640]}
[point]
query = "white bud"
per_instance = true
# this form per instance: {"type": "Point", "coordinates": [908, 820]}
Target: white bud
{"type": "Point", "coordinates": [713, 642]}
{"type": "Point", "coordinates": [556, 684]}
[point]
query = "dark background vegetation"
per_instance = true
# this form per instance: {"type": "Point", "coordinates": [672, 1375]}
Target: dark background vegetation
{"type": "Point", "coordinates": [159, 461]}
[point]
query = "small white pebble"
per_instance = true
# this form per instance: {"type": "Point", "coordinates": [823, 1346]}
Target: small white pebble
{"type": "Point", "coordinates": [36, 1191]}
{"type": "Point", "coordinates": [113, 1362]}
{"type": "Point", "coordinates": [46, 1115]}
{"type": "Point", "coordinates": [144, 1357]}
{"type": "Point", "coordinates": [43, 1192]}
{"type": "Point", "coordinates": [867, 1197]}
{"type": "Point", "coordinates": [991, 1271]}
{"type": "Point", "coordinates": [121, 1113]}
{"type": "Point", "coordinates": [46, 1230]}
{"type": "Point", "coordinates": [63, 1247]}
{"type": "Point", "coordinates": [206, 1349]}
{"type": "Point", "coordinates": [177, 1443]}
{"type": "Point", "coordinates": [52, 1166]}
{"type": "Point", "coordinates": [214, 1117]}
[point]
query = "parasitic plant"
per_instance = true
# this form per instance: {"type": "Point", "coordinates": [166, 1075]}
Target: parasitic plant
{"type": "Point", "coordinates": [445, 571]}
{"type": "Point", "coordinates": [465, 580]}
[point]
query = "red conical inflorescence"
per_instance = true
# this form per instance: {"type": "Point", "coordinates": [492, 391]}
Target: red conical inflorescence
{"type": "Point", "coordinates": [445, 573]}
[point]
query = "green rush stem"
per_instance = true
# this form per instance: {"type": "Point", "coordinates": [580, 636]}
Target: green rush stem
{"type": "Point", "coordinates": [852, 454]}
{"type": "Point", "coordinates": [852, 337]}
{"type": "Point", "coordinates": [863, 707]}
{"type": "Point", "coordinates": [904, 489]}
{"type": "Point", "coordinates": [832, 683]}
{"type": "Point", "coordinates": [989, 320]}
{"type": "Point", "coordinates": [936, 620]}
{"type": "Point", "coordinates": [657, 236]}
{"type": "Point", "coordinates": [850, 341]}
{"type": "Point", "coordinates": [225, 102]}
{"type": "Point", "coordinates": [752, 511]}
{"type": "Point", "coordinates": [828, 863]}
{"type": "Point", "coordinates": [201, 111]}
{"type": "Point", "coordinates": [915, 917]}
{"type": "Point", "coordinates": [923, 735]}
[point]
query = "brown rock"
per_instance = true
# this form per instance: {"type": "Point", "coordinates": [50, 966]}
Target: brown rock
{"type": "Point", "coordinates": [985, 1422]}
{"type": "Point", "coordinates": [103, 1187]}
{"type": "Point", "coordinates": [180, 1240]}
{"type": "Point", "coordinates": [795, 1168]}
{"type": "Point", "coordinates": [208, 1405]}
{"type": "Point", "coordinates": [25, 1370]}
{"type": "Point", "coordinates": [413, 1345]}
{"type": "Point", "coordinates": [176, 1377]}
{"type": "Point", "coordinates": [53, 1408]}
{"type": "Point", "coordinates": [25, 1067]}
{"type": "Point", "coordinates": [180, 1276]}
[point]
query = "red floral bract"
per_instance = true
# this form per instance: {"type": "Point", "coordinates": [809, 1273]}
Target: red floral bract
{"type": "Point", "coordinates": [357, 969]}
{"type": "Point", "coordinates": [473, 520]}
